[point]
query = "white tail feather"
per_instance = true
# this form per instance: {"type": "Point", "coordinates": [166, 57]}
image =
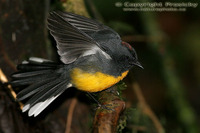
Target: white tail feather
{"type": "Point", "coordinates": [39, 60]}
{"type": "Point", "coordinates": [39, 107]}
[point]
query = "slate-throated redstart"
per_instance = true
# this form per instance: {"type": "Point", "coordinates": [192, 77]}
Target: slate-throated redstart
{"type": "Point", "coordinates": [93, 59]}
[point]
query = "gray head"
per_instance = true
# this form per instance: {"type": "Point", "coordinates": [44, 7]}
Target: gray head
{"type": "Point", "coordinates": [128, 56]}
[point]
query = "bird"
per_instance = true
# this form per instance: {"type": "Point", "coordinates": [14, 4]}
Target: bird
{"type": "Point", "coordinates": [92, 58]}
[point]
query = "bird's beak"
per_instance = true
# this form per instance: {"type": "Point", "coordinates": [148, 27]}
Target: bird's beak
{"type": "Point", "coordinates": [137, 63]}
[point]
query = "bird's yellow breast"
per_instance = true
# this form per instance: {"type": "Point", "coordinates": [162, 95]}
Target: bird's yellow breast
{"type": "Point", "coordinates": [93, 82]}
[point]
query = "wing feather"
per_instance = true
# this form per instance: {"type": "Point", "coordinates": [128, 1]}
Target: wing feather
{"type": "Point", "coordinates": [72, 43]}
{"type": "Point", "coordinates": [82, 23]}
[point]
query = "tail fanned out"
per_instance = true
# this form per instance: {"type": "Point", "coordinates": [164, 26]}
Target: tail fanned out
{"type": "Point", "coordinates": [46, 82]}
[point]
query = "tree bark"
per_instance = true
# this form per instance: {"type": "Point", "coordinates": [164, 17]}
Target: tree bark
{"type": "Point", "coordinates": [107, 116]}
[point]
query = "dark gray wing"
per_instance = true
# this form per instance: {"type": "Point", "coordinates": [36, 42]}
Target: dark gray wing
{"type": "Point", "coordinates": [82, 23]}
{"type": "Point", "coordinates": [68, 31]}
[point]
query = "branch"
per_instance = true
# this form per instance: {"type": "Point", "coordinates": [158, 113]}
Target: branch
{"type": "Point", "coordinates": [146, 109]}
{"type": "Point", "coordinates": [4, 79]}
{"type": "Point", "coordinates": [70, 115]}
{"type": "Point", "coordinates": [106, 120]}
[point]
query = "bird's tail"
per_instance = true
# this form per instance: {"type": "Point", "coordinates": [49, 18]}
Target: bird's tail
{"type": "Point", "coordinates": [45, 80]}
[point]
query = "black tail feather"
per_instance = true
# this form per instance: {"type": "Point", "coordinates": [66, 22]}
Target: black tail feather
{"type": "Point", "coordinates": [33, 67]}
{"type": "Point", "coordinates": [30, 80]}
{"type": "Point", "coordinates": [46, 80]}
{"type": "Point", "coordinates": [30, 73]}
{"type": "Point", "coordinates": [44, 93]}
{"type": "Point", "coordinates": [32, 89]}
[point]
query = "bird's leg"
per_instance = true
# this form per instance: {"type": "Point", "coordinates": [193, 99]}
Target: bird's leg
{"type": "Point", "coordinates": [94, 98]}
{"type": "Point", "coordinates": [99, 104]}
{"type": "Point", "coordinates": [114, 92]}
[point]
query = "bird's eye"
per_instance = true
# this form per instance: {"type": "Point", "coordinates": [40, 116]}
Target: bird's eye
{"type": "Point", "coordinates": [127, 58]}
{"type": "Point", "coordinates": [124, 57]}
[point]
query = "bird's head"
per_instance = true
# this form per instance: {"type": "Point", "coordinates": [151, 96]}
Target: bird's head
{"type": "Point", "coordinates": [129, 56]}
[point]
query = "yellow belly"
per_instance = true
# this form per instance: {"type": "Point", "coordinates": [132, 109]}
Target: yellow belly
{"type": "Point", "coordinates": [93, 82]}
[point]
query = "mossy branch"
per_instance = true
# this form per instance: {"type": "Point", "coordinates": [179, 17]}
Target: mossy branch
{"type": "Point", "coordinates": [106, 118]}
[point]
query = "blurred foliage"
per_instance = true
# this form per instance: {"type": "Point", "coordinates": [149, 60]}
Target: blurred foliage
{"type": "Point", "coordinates": [121, 27]}
{"type": "Point", "coordinates": [191, 47]}
{"type": "Point", "coordinates": [75, 6]}
{"type": "Point", "coordinates": [135, 121]}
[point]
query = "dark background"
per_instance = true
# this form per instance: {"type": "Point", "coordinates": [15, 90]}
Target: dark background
{"type": "Point", "coordinates": [168, 47]}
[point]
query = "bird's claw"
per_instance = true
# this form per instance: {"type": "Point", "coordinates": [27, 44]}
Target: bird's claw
{"type": "Point", "coordinates": [105, 106]}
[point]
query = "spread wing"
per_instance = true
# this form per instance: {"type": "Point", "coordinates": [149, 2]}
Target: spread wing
{"type": "Point", "coordinates": [69, 31]}
{"type": "Point", "coordinates": [82, 23]}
